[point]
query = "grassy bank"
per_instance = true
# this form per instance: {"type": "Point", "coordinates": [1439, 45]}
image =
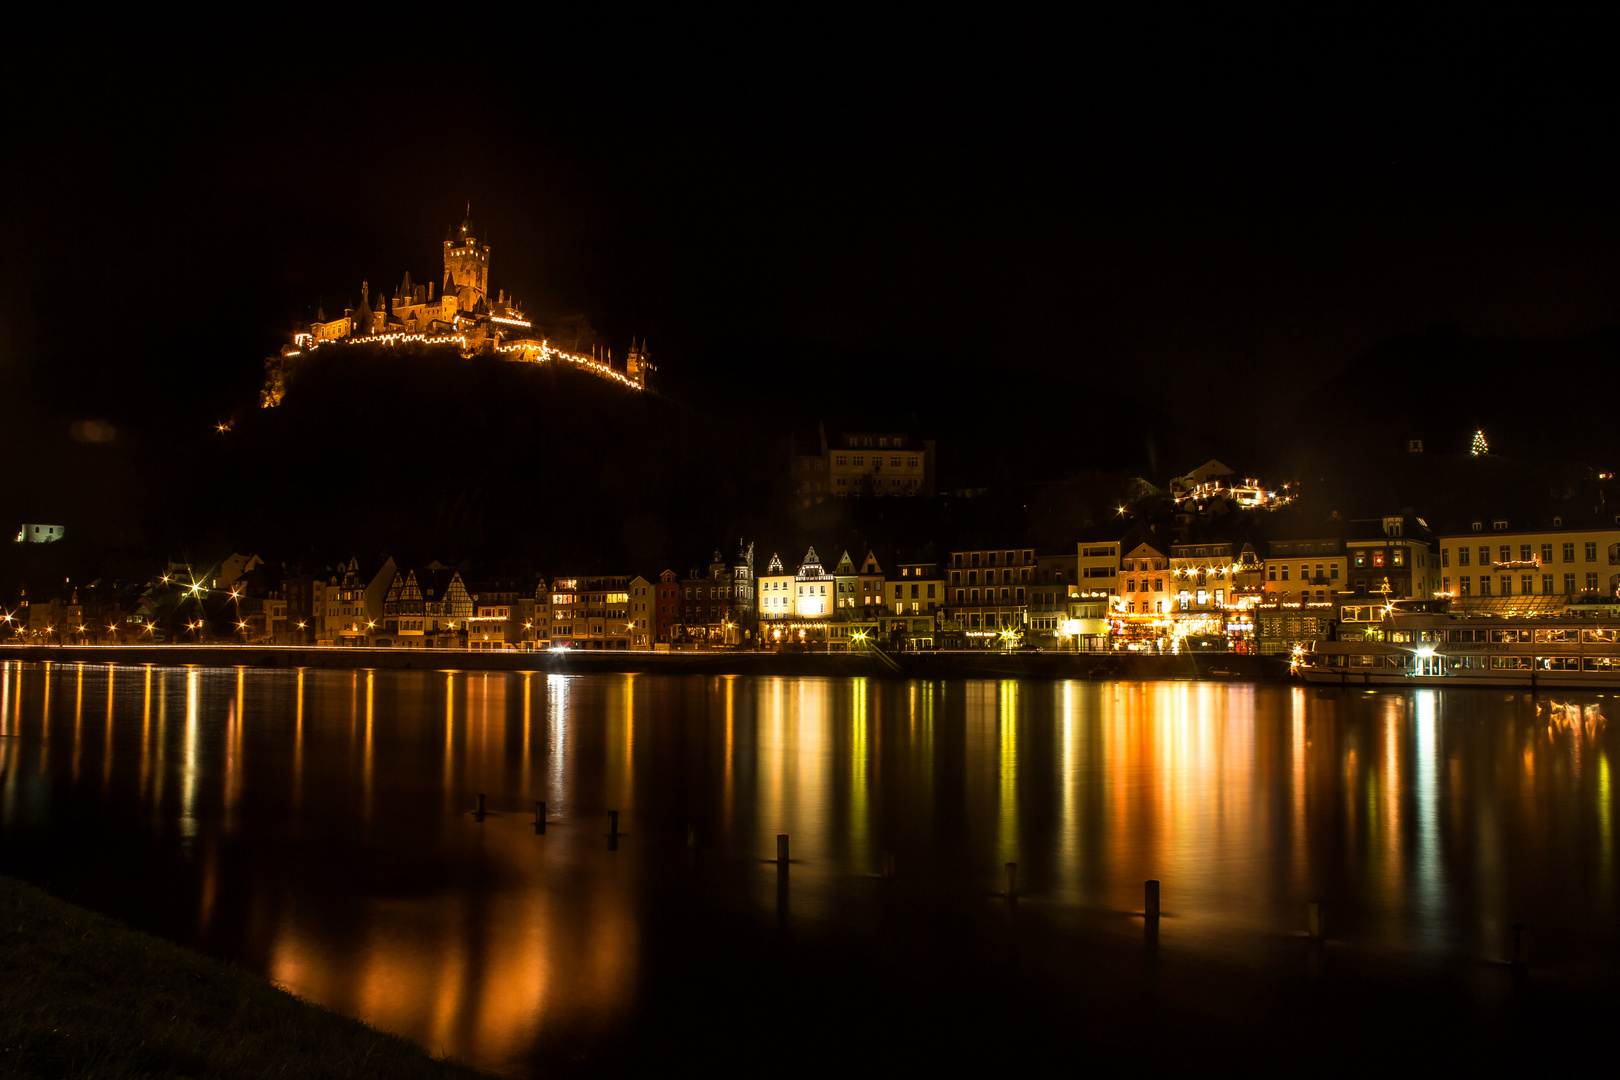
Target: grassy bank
{"type": "Point", "coordinates": [84, 996]}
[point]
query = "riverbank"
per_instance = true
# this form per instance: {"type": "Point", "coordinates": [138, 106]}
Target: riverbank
{"type": "Point", "coordinates": [83, 995]}
{"type": "Point", "coordinates": [926, 665]}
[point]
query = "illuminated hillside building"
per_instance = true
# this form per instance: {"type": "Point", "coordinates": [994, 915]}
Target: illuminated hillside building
{"type": "Point", "coordinates": [458, 310]}
{"type": "Point", "coordinates": [864, 464]}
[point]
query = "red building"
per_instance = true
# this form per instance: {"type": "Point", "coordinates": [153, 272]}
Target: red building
{"type": "Point", "coordinates": [668, 608]}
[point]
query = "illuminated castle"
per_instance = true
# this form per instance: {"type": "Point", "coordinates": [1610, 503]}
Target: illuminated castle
{"type": "Point", "coordinates": [461, 314]}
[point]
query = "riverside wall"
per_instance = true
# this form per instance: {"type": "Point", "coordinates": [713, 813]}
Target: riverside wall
{"type": "Point", "coordinates": [924, 665]}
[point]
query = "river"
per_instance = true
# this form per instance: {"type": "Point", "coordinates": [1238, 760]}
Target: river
{"type": "Point", "coordinates": [316, 826]}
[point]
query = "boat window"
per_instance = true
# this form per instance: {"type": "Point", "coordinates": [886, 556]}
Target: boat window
{"type": "Point", "coordinates": [1601, 663]}
{"type": "Point", "coordinates": [1608, 637]}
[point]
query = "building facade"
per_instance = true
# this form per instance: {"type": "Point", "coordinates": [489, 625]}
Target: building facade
{"type": "Point", "coordinates": [988, 603]}
{"type": "Point", "coordinates": [1554, 562]}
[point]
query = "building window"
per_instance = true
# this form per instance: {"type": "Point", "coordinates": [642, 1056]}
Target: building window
{"type": "Point", "coordinates": [1467, 586]}
{"type": "Point", "coordinates": [1526, 584]}
{"type": "Point", "coordinates": [1484, 555]}
{"type": "Point", "coordinates": [1484, 585]}
{"type": "Point", "coordinates": [1591, 582]}
{"type": "Point", "coordinates": [1546, 553]}
{"type": "Point", "coordinates": [1569, 552]}
{"type": "Point", "coordinates": [1569, 583]}
{"type": "Point", "coordinates": [1464, 556]}
{"type": "Point", "coordinates": [1591, 551]}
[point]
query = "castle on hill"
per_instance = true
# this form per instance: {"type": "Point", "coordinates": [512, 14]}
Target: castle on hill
{"type": "Point", "coordinates": [457, 310]}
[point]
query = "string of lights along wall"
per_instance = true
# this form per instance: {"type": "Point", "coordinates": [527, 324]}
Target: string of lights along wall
{"type": "Point", "coordinates": [458, 310]}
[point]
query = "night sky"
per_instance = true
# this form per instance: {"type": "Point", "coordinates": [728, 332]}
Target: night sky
{"type": "Point", "coordinates": [1147, 240]}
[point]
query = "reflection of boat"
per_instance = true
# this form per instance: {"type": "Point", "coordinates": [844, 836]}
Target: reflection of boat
{"type": "Point", "coordinates": [1421, 641]}
{"type": "Point", "coordinates": [1221, 673]}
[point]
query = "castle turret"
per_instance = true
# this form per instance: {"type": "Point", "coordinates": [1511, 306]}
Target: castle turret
{"type": "Point", "coordinates": [637, 364]}
{"type": "Point", "coordinates": [466, 266]}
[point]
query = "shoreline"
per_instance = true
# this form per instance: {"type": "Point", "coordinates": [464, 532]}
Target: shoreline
{"type": "Point", "coordinates": [1223, 667]}
{"type": "Point", "coordinates": [88, 994]}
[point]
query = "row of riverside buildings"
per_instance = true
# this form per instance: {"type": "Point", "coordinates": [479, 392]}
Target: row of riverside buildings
{"type": "Point", "coordinates": [1223, 563]}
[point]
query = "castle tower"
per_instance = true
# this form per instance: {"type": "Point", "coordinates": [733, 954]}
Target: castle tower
{"type": "Point", "coordinates": [638, 364]}
{"type": "Point", "coordinates": [466, 266]}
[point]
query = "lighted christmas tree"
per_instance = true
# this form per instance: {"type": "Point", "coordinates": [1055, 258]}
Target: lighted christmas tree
{"type": "Point", "coordinates": [1479, 448]}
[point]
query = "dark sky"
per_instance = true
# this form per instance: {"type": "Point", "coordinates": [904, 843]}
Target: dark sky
{"type": "Point", "coordinates": [1101, 209]}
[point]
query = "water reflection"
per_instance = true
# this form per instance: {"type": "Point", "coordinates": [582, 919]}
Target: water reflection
{"type": "Point", "coordinates": [314, 825]}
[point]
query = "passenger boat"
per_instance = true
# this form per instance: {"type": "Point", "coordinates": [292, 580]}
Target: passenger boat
{"type": "Point", "coordinates": [1422, 642]}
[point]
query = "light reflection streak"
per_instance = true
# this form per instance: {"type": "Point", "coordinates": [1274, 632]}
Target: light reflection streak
{"type": "Point", "coordinates": [449, 740]}
{"type": "Point", "coordinates": [1390, 788]}
{"type": "Point", "coordinates": [860, 770]}
{"type": "Point", "coordinates": [1429, 887]}
{"type": "Point", "coordinates": [1068, 779]}
{"type": "Point", "coordinates": [107, 744]}
{"type": "Point", "coordinates": [146, 734]}
{"type": "Point", "coordinates": [45, 721]}
{"type": "Point", "coordinates": [523, 773]}
{"type": "Point", "coordinates": [78, 723]}
{"type": "Point", "coordinates": [188, 769]}
{"type": "Point", "coordinates": [556, 741]}
{"type": "Point", "coordinates": [160, 742]}
{"type": "Point", "coordinates": [298, 746]}
{"type": "Point", "coordinates": [1297, 790]}
{"type": "Point", "coordinates": [728, 785]}
{"type": "Point", "coordinates": [1007, 771]}
{"type": "Point", "coordinates": [365, 783]}
{"type": "Point", "coordinates": [1605, 827]}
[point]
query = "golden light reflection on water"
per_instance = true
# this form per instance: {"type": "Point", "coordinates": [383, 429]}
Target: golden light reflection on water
{"type": "Point", "coordinates": [1425, 818]}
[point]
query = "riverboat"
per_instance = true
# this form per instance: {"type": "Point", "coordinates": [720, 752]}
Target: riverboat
{"type": "Point", "coordinates": [1423, 642]}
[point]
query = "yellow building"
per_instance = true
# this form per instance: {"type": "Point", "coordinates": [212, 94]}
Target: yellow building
{"type": "Point", "coordinates": [776, 597]}
{"type": "Point", "coordinates": [1505, 566]}
{"type": "Point", "coordinates": [643, 621]}
{"type": "Point", "coordinates": [1099, 565]}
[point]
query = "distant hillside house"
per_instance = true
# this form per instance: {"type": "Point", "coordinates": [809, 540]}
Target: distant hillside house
{"type": "Point", "coordinates": [39, 534]}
